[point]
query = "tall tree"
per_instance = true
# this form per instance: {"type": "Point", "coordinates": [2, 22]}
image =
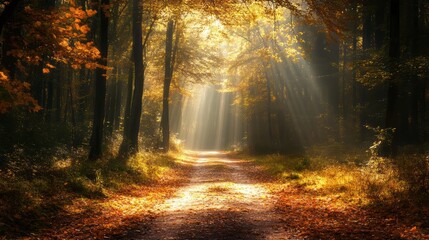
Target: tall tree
{"type": "Point", "coordinates": [100, 84]}
{"type": "Point", "coordinates": [168, 75]}
{"type": "Point", "coordinates": [130, 142]}
{"type": "Point", "coordinates": [392, 117]}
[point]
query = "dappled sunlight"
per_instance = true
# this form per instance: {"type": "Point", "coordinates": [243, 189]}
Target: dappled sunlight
{"type": "Point", "coordinates": [218, 185]}
{"type": "Point", "coordinates": [206, 158]}
{"type": "Point", "coordinates": [215, 195]}
{"type": "Point", "coordinates": [85, 218]}
{"type": "Point", "coordinates": [282, 119]}
{"type": "Point", "coordinates": [220, 200]}
{"type": "Point", "coordinates": [211, 188]}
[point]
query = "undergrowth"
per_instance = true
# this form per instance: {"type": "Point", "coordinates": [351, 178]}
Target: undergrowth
{"type": "Point", "coordinates": [34, 186]}
{"type": "Point", "coordinates": [354, 176]}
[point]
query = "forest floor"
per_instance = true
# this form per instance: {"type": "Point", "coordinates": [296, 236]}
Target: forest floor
{"type": "Point", "coordinates": [221, 196]}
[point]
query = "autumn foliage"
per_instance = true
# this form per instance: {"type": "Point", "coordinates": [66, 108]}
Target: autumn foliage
{"type": "Point", "coordinates": [326, 99]}
{"type": "Point", "coordinates": [48, 38]}
{"type": "Point", "coordinates": [57, 36]}
{"type": "Point", "coordinates": [15, 93]}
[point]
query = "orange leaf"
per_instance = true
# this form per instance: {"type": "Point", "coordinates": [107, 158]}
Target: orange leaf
{"type": "Point", "coordinates": [3, 77]}
{"type": "Point", "coordinates": [50, 65]}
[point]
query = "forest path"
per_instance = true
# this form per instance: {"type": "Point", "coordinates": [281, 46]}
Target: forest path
{"type": "Point", "coordinates": [221, 201]}
{"type": "Point", "coordinates": [215, 195]}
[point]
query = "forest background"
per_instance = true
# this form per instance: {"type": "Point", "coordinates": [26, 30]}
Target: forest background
{"type": "Point", "coordinates": [94, 92]}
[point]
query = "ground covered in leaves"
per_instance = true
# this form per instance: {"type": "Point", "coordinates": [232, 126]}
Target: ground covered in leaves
{"type": "Point", "coordinates": [212, 195]}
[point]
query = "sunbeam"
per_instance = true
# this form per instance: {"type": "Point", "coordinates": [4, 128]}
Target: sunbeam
{"type": "Point", "coordinates": [208, 119]}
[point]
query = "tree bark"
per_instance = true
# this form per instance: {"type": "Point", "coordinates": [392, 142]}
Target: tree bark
{"type": "Point", "coordinates": [110, 104]}
{"type": "Point", "coordinates": [380, 31]}
{"type": "Point", "coordinates": [392, 116]}
{"type": "Point", "coordinates": [414, 127]}
{"type": "Point", "coordinates": [130, 143]}
{"type": "Point", "coordinates": [168, 75]}
{"type": "Point", "coordinates": [100, 88]}
{"type": "Point", "coordinates": [118, 104]}
{"type": "Point", "coordinates": [135, 81]}
{"type": "Point", "coordinates": [129, 99]}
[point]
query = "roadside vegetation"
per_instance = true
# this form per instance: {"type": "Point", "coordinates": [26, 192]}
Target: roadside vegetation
{"type": "Point", "coordinates": [354, 176]}
{"type": "Point", "coordinates": [35, 192]}
{"type": "Point", "coordinates": [335, 187]}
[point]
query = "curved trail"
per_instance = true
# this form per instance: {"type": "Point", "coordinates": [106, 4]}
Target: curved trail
{"type": "Point", "coordinates": [220, 202]}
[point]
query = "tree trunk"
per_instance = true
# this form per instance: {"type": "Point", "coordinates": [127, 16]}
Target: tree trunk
{"type": "Point", "coordinates": [130, 143]}
{"type": "Point", "coordinates": [356, 112]}
{"type": "Point", "coordinates": [413, 18]}
{"type": "Point", "coordinates": [127, 111]}
{"type": "Point", "coordinates": [367, 43]}
{"type": "Point", "coordinates": [118, 104]}
{"type": "Point", "coordinates": [380, 32]}
{"type": "Point", "coordinates": [168, 75]}
{"type": "Point", "coordinates": [110, 105]}
{"type": "Point", "coordinates": [392, 114]}
{"type": "Point", "coordinates": [100, 88]}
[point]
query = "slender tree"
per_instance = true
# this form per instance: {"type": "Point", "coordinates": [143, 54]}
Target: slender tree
{"type": "Point", "coordinates": [130, 142]}
{"type": "Point", "coordinates": [100, 86]}
{"type": "Point", "coordinates": [392, 118]}
{"type": "Point", "coordinates": [168, 75]}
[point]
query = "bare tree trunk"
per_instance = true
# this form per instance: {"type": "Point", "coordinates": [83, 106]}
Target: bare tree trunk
{"type": "Point", "coordinates": [100, 88]}
{"type": "Point", "coordinates": [392, 116]}
{"type": "Point", "coordinates": [129, 99]}
{"type": "Point", "coordinates": [118, 104]}
{"type": "Point", "coordinates": [415, 127]}
{"type": "Point", "coordinates": [356, 114]}
{"type": "Point", "coordinates": [130, 142]}
{"type": "Point", "coordinates": [110, 104]}
{"type": "Point", "coordinates": [168, 75]}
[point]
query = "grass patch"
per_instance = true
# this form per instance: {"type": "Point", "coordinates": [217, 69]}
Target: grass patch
{"type": "Point", "coordinates": [143, 167]}
{"type": "Point", "coordinates": [352, 177]}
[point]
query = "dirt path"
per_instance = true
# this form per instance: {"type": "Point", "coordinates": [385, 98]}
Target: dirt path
{"type": "Point", "coordinates": [216, 196]}
{"type": "Point", "coordinates": [220, 202]}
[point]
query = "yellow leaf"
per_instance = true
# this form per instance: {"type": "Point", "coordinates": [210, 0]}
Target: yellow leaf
{"type": "Point", "coordinates": [64, 43]}
{"type": "Point", "coordinates": [46, 70]}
